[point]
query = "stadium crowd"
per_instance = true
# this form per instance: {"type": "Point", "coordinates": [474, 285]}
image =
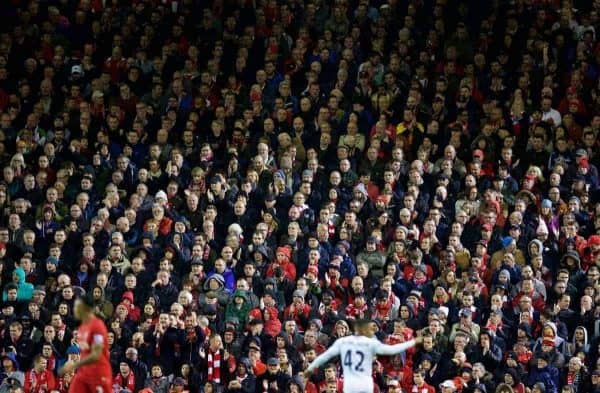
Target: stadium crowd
{"type": "Point", "coordinates": [236, 181]}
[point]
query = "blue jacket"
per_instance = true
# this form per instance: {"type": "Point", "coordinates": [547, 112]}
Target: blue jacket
{"type": "Point", "coordinates": [548, 375]}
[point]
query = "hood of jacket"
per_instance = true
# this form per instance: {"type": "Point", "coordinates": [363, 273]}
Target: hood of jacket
{"type": "Point", "coordinates": [21, 274]}
{"type": "Point", "coordinates": [296, 381]}
{"type": "Point", "coordinates": [285, 251]}
{"type": "Point", "coordinates": [585, 335]}
{"type": "Point", "coordinates": [264, 252]}
{"type": "Point", "coordinates": [538, 243]}
{"type": "Point", "coordinates": [241, 293]}
{"type": "Point", "coordinates": [362, 189]}
{"type": "Point", "coordinates": [218, 277]}
{"type": "Point", "coordinates": [13, 358]}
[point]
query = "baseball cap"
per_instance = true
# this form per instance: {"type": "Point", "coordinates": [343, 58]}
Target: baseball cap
{"type": "Point", "coordinates": [448, 384]}
{"type": "Point", "coordinates": [76, 69]}
{"type": "Point", "coordinates": [273, 362]}
{"type": "Point", "coordinates": [393, 382]}
{"type": "Point", "coordinates": [298, 293]}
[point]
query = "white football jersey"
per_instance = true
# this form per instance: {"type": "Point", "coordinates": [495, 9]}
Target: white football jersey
{"type": "Point", "coordinates": [356, 354]}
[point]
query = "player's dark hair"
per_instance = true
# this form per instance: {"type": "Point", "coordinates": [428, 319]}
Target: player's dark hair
{"type": "Point", "coordinates": [88, 300]}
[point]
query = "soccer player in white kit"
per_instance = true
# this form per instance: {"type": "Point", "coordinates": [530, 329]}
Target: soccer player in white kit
{"type": "Point", "coordinates": [356, 353]}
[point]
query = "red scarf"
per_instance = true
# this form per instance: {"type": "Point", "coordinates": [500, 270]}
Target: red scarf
{"type": "Point", "coordinates": [214, 366]}
{"type": "Point", "coordinates": [51, 363]}
{"type": "Point", "coordinates": [206, 252]}
{"type": "Point", "coordinates": [355, 312]}
{"type": "Point", "coordinates": [382, 310]}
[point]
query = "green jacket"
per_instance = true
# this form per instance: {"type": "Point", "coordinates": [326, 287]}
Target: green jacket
{"type": "Point", "coordinates": [241, 314]}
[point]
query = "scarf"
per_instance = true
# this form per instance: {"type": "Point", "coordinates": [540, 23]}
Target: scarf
{"type": "Point", "coordinates": [206, 252]}
{"type": "Point", "coordinates": [420, 281]}
{"type": "Point", "coordinates": [382, 310]}
{"type": "Point", "coordinates": [354, 311]}
{"type": "Point", "coordinates": [214, 366]}
{"type": "Point", "coordinates": [51, 362]}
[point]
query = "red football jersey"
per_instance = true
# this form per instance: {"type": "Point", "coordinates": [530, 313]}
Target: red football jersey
{"type": "Point", "coordinates": [90, 333]}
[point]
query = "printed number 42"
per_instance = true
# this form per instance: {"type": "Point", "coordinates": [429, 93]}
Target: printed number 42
{"type": "Point", "coordinates": [359, 358]}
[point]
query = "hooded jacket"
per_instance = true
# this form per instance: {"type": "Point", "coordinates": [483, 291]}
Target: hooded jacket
{"type": "Point", "coordinates": [241, 313]}
{"type": "Point", "coordinates": [560, 344]}
{"type": "Point", "coordinates": [549, 376]}
{"type": "Point", "coordinates": [574, 347]}
{"type": "Point", "coordinates": [24, 289]}
{"type": "Point", "coordinates": [273, 325]}
{"type": "Point", "coordinates": [18, 375]}
{"type": "Point", "coordinates": [576, 275]}
{"type": "Point", "coordinates": [248, 384]}
{"type": "Point", "coordinates": [296, 381]}
{"type": "Point", "coordinates": [104, 308]}
{"type": "Point", "coordinates": [288, 267]}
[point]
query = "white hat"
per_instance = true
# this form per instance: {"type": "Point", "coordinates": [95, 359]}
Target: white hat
{"type": "Point", "coordinates": [161, 194]}
{"type": "Point", "coordinates": [448, 384]}
{"type": "Point", "coordinates": [76, 69]}
{"type": "Point", "coordinates": [445, 310]}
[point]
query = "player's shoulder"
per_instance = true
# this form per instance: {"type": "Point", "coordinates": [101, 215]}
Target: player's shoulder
{"type": "Point", "coordinates": [355, 339]}
{"type": "Point", "coordinates": [96, 323]}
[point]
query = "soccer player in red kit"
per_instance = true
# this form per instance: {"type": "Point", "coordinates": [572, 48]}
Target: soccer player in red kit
{"type": "Point", "coordinates": [94, 374]}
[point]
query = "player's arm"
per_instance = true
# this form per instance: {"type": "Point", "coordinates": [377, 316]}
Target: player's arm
{"type": "Point", "coordinates": [323, 358]}
{"type": "Point", "coordinates": [93, 357]}
{"type": "Point", "coordinates": [385, 349]}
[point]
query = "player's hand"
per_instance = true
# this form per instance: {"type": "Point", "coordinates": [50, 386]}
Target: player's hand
{"type": "Point", "coordinates": [69, 367]}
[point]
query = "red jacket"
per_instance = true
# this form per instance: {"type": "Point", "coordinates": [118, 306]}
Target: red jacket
{"type": "Point", "coordinates": [423, 389]}
{"type": "Point", "coordinates": [288, 267]}
{"type": "Point", "coordinates": [537, 301]}
{"type": "Point", "coordinates": [300, 316]}
{"type": "Point", "coordinates": [127, 382]}
{"type": "Point", "coordinates": [39, 382]}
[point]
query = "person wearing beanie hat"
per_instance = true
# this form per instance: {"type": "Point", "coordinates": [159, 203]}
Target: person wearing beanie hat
{"type": "Point", "coordinates": [312, 270]}
{"type": "Point", "coordinates": [509, 246]}
{"type": "Point", "coordinates": [507, 241]}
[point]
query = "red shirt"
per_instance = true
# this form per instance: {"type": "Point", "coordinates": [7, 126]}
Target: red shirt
{"type": "Point", "coordinates": [90, 333]}
{"type": "Point", "coordinates": [39, 382]}
{"type": "Point", "coordinates": [423, 389]}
